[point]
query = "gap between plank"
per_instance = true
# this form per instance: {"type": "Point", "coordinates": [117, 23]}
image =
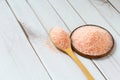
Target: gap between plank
{"type": "Point", "coordinates": [27, 37]}
{"type": "Point", "coordinates": [113, 6]}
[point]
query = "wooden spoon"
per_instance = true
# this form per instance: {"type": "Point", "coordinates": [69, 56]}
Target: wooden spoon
{"type": "Point", "coordinates": [61, 40]}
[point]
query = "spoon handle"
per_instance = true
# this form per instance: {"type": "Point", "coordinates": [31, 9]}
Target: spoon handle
{"type": "Point", "coordinates": [79, 63]}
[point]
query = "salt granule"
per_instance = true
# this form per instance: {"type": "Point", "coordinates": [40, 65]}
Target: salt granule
{"type": "Point", "coordinates": [92, 40]}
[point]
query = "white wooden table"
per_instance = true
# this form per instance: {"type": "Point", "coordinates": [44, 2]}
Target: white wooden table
{"type": "Point", "coordinates": [26, 53]}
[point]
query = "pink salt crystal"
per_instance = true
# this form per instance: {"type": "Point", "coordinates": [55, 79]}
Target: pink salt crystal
{"type": "Point", "coordinates": [60, 38]}
{"type": "Point", "coordinates": [92, 40]}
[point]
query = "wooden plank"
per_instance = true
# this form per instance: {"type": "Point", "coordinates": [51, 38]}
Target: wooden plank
{"type": "Point", "coordinates": [109, 13]}
{"type": "Point", "coordinates": [18, 60]}
{"type": "Point", "coordinates": [115, 4]}
{"type": "Point", "coordinates": [55, 61]}
{"type": "Point", "coordinates": [108, 65]}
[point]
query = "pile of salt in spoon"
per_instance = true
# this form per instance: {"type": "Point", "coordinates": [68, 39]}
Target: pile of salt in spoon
{"type": "Point", "coordinates": [60, 38]}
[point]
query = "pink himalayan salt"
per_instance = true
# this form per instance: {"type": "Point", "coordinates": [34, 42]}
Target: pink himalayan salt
{"type": "Point", "coordinates": [91, 40]}
{"type": "Point", "coordinates": [60, 38]}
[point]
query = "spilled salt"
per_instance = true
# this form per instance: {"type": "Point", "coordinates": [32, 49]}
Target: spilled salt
{"type": "Point", "coordinates": [50, 45]}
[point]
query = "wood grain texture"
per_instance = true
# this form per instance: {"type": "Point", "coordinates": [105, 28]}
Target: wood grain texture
{"type": "Point", "coordinates": [108, 65]}
{"type": "Point", "coordinates": [17, 58]}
